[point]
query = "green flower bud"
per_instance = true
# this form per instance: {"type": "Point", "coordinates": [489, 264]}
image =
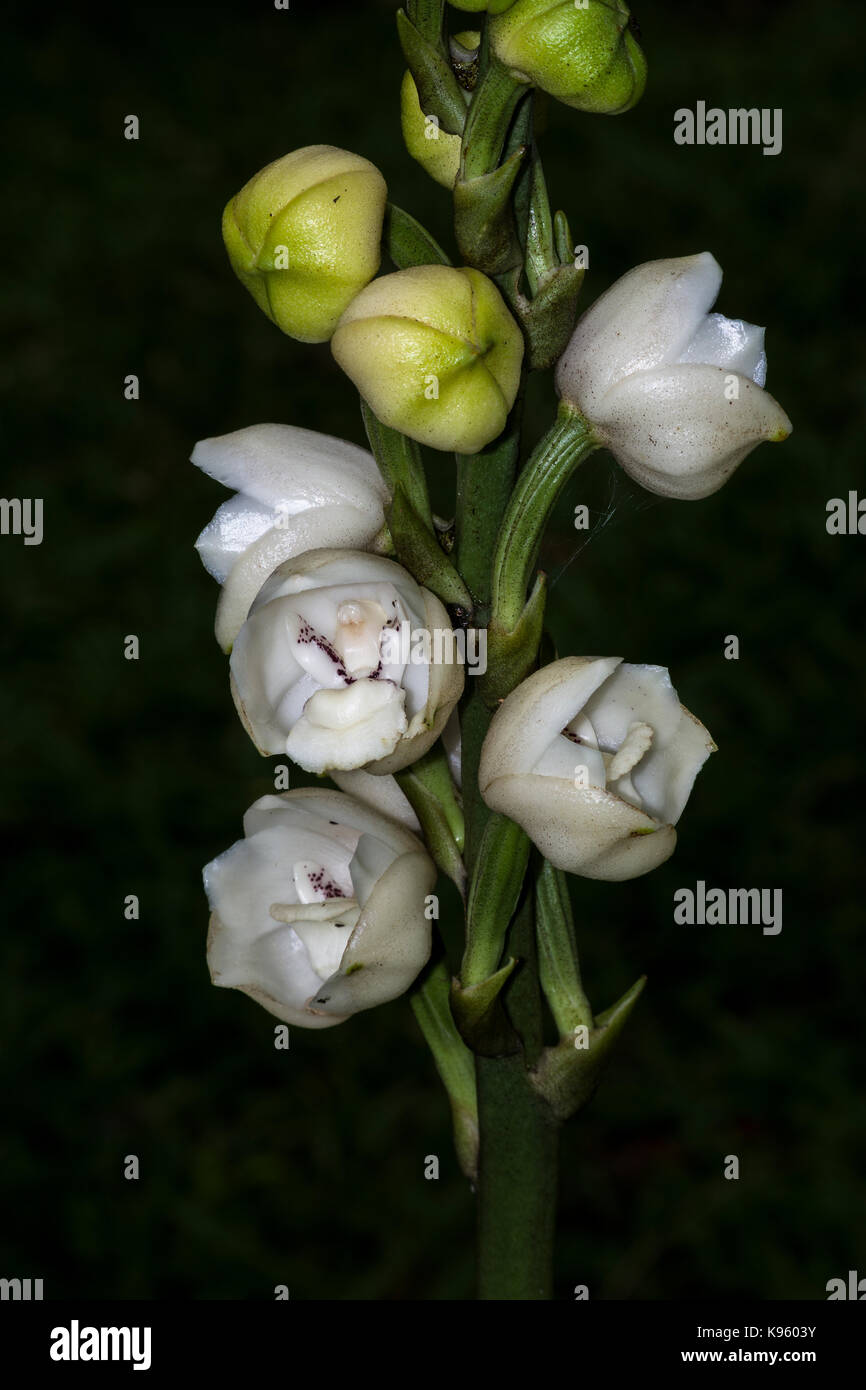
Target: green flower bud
{"type": "Point", "coordinates": [436, 151]}
{"type": "Point", "coordinates": [304, 237]}
{"type": "Point", "coordinates": [584, 56]}
{"type": "Point", "coordinates": [435, 353]}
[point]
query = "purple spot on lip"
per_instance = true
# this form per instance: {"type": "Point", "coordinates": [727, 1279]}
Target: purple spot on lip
{"type": "Point", "coordinates": [309, 637]}
{"type": "Point", "coordinates": [325, 885]}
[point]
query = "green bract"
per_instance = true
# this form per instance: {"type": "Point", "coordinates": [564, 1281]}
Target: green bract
{"type": "Point", "coordinates": [435, 353]}
{"type": "Point", "coordinates": [304, 237]}
{"type": "Point", "coordinates": [436, 151]}
{"type": "Point", "coordinates": [585, 57]}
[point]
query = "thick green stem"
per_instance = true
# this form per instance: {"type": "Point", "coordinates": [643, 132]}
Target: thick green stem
{"type": "Point", "coordinates": [517, 1171]}
{"type": "Point", "coordinates": [518, 1139]}
{"type": "Point", "coordinates": [485, 482]}
{"type": "Point", "coordinates": [518, 1132]}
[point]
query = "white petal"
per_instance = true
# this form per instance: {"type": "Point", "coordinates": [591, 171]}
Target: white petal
{"type": "Point", "coordinates": [661, 780]}
{"type": "Point", "coordinates": [644, 320]}
{"type": "Point", "coordinates": [247, 949]}
{"type": "Point", "coordinates": [382, 793]}
{"type": "Point", "coordinates": [564, 756]}
{"type": "Point", "coordinates": [334, 524]}
{"type": "Point", "coordinates": [369, 862]}
{"type": "Point", "coordinates": [348, 728]}
{"type": "Point", "coordinates": [676, 432]}
{"type": "Point", "coordinates": [583, 831]}
{"type": "Point", "coordinates": [634, 693]}
{"type": "Point", "coordinates": [273, 969]}
{"type": "Point", "coordinates": [343, 571]}
{"type": "Point", "coordinates": [343, 816]}
{"type": "Point", "coordinates": [390, 944]}
{"type": "Point", "coordinates": [683, 758]}
{"type": "Point", "coordinates": [265, 671]}
{"type": "Point", "coordinates": [235, 526]}
{"type": "Point", "coordinates": [534, 715]}
{"type": "Point", "coordinates": [730, 343]}
{"type": "Point", "coordinates": [330, 910]}
{"type": "Point", "coordinates": [292, 468]}
{"type": "Point", "coordinates": [326, 942]}
{"type": "Point", "coordinates": [443, 682]}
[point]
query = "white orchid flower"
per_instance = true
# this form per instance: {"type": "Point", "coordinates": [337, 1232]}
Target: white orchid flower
{"type": "Point", "coordinates": [296, 490]}
{"type": "Point", "coordinates": [345, 662]}
{"type": "Point", "coordinates": [673, 391]}
{"type": "Point", "coordinates": [595, 759]}
{"type": "Point", "coordinates": [319, 912]}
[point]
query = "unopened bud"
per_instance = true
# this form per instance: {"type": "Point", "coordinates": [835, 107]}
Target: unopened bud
{"type": "Point", "coordinates": [584, 55]}
{"type": "Point", "coordinates": [435, 353]}
{"type": "Point", "coordinates": [304, 237]}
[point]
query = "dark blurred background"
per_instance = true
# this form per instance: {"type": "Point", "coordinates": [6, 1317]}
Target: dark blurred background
{"type": "Point", "coordinates": [306, 1168]}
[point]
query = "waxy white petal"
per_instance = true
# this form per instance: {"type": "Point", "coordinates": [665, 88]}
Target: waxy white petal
{"type": "Point", "coordinates": [730, 343]}
{"type": "Point", "coordinates": [235, 526]}
{"type": "Point", "coordinates": [383, 793]}
{"type": "Point", "coordinates": [332, 524]}
{"type": "Point", "coordinates": [583, 830]}
{"type": "Point", "coordinates": [348, 728]}
{"type": "Point", "coordinates": [677, 433]}
{"type": "Point", "coordinates": [646, 319]}
{"type": "Point", "coordinates": [537, 711]}
{"type": "Point", "coordinates": [390, 944]}
{"type": "Point", "coordinates": [289, 468]}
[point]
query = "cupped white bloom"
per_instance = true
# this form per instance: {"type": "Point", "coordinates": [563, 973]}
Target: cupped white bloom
{"type": "Point", "coordinates": [345, 662]}
{"type": "Point", "coordinates": [595, 759]}
{"type": "Point", "coordinates": [296, 490]}
{"type": "Point", "coordinates": [319, 912]}
{"type": "Point", "coordinates": [673, 391]}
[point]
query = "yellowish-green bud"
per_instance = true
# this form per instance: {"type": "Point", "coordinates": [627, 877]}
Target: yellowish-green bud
{"type": "Point", "coordinates": [436, 151]}
{"type": "Point", "coordinates": [304, 237]}
{"type": "Point", "coordinates": [585, 56]}
{"type": "Point", "coordinates": [435, 353]}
